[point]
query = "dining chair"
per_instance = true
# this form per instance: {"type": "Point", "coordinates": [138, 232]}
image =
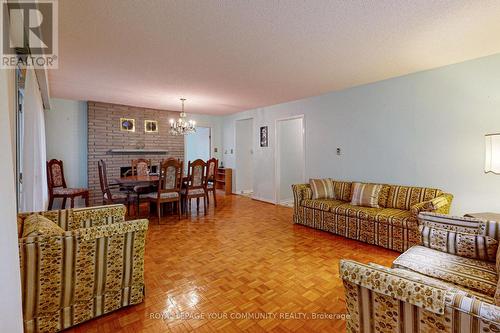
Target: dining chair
{"type": "Point", "coordinates": [56, 184]}
{"type": "Point", "coordinates": [169, 186]}
{"type": "Point", "coordinates": [141, 167]}
{"type": "Point", "coordinates": [110, 197]}
{"type": "Point", "coordinates": [212, 166]}
{"type": "Point", "coordinates": [195, 185]}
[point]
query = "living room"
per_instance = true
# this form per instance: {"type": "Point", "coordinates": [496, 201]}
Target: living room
{"type": "Point", "coordinates": [344, 158]}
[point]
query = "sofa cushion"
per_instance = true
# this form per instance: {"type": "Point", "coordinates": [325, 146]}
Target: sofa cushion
{"type": "Point", "coordinates": [462, 244]}
{"type": "Point", "coordinates": [322, 188]}
{"type": "Point", "coordinates": [38, 225]}
{"type": "Point", "coordinates": [326, 205]}
{"type": "Point", "coordinates": [356, 211]}
{"type": "Point", "coordinates": [473, 274]}
{"type": "Point", "coordinates": [403, 197]}
{"type": "Point", "coordinates": [342, 190]}
{"type": "Point", "coordinates": [366, 195]}
{"type": "Point", "coordinates": [384, 195]}
{"type": "Point", "coordinates": [397, 217]}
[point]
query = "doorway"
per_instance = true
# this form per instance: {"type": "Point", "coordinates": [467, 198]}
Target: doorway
{"type": "Point", "coordinates": [290, 156]}
{"type": "Point", "coordinates": [244, 156]}
{"type": "Point", "coordinates": [197, 145]}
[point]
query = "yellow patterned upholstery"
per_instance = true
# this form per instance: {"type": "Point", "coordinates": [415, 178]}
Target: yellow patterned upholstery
{"type": "Point", "coordinates": [474, 274]}
{"type": "Point", "coordinates": [96, 266]}
{"type": "Point", "coordinates": [403, 197]}
{"type": "Point", "coordinates": [387, 226]}
{"type": "Point", "coordinates": [380, 299]}
{"type": "Point", "coordinates": [326, 205]}
{"type": "Point", "coordinates": [428, 290]}
{"type": "Point", "coordinates": [342, 190]}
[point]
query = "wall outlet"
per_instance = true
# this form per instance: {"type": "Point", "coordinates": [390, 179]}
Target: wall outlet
{"type": "Point", "coordinates": [339, 152]}
{"type": "Point", "coordinates": [216, 149]}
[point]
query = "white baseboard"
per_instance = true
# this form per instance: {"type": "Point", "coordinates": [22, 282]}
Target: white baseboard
{"type": "Point", "coordinates": [254, 197]}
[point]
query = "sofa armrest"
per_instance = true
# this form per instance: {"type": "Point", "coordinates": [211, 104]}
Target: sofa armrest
{"type": "Point", "coordinates": [471, 306]}
{"type": "Point", "coordinates": [301, 192]}
{"type": "Point", "coordinates": [440, 204]}
{"type": "Point", "coordinates": [398, 285]}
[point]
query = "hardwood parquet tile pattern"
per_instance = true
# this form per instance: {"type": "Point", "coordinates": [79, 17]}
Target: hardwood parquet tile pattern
{"type": "Point", "coordinates": [243, 267]}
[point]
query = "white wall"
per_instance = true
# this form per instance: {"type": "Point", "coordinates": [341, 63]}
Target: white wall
{"type": "Point", "coordinates": [10, 301]}
{"type": "Point", "coordinates": [66, 128]}
{"type": "Point", "coordinates": [423, 129]}
{"type": "Point", "coordinates": [215, 123]}
{"type": "Point", "coordinates": [243, 173]}
{"type": "Point", "coordinates": [291, 153]}
{"type": "Point", "coordinates": [197, 145]}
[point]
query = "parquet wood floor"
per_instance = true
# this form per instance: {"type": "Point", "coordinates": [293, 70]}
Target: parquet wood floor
{"type": "Point", "coordinates": [243, 267]}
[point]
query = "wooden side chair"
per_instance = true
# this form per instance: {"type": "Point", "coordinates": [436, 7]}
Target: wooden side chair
{"type": "Point", "coordinates": [169, 186]}
{"type": "Point", "coordinates": [212, 166]}
{"type": "Point", "coordinates": [195, 185]}
{"type": "Point", "coordinates": [110, 197]}
{"type": "Point", "coordinates": [141, 167]}
{"type": "Point", "coordinates": [57, 186]}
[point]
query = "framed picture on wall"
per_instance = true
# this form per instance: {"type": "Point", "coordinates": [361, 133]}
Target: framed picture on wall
{"type": "Point", "coordinates": [127, 124]}
{"type": "Point", "coordinates": [151, 126]}
{"type": "Point", "coordinates": [264, 136]}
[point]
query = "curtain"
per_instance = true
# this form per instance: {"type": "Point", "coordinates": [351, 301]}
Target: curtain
{"type": "Point", "coordinates": [34, 195]}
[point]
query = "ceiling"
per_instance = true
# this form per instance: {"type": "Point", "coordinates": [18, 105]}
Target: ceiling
{"type": "Point", "coordinates": [226, 56]}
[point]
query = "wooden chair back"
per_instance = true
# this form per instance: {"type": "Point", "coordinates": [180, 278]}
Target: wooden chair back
{"type": "Point", "coordinates": [212, 166]}
{"type": "Point", "coordinates": [196, 174]}
{"type": "Point", "coordinates": [141, 167]}
{"type": "Point", "coordinates": [103, 180]}
{"type": "Point", "coordinates": [55, 174]}
{"type": "Point", "coordinates": [170, 176]}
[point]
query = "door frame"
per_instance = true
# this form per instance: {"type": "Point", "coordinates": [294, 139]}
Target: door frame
{"type": "Point", "coordinates": [235, 180]}
{"type": "Point", "coordinates": [277, 173]}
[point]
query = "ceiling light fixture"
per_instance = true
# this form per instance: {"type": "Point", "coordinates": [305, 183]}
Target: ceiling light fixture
{"type": "Point", "coordinates": [182, 126]}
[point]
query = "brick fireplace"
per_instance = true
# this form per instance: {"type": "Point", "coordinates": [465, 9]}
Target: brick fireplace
{"type": "Point", "coordinates": [104, 136]}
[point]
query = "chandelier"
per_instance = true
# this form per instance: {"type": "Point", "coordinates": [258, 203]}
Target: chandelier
{"type": "Point", "coordinates": [182, 126]}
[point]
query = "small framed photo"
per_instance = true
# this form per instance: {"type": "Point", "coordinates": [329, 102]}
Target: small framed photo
{"type": "Point", "coordinates": [127, 124]}
{"type": "Point", "coordinates": [151, 126]}
{"type": "Point", "coordinates": [264, 137]}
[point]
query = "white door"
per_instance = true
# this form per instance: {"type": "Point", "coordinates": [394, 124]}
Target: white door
{"type": "Point", "coordinates": [244, 156]}
{"type": "Point", "coordinates": [197, 145]}
{"type": "Point", "coordinates": [290, 154]}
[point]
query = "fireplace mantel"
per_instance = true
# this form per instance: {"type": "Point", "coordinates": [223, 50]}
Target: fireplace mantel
{"type": "Point", "coordinates": [137, 152]}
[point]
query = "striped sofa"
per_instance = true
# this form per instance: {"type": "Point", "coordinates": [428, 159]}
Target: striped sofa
{"type": "Point", "coordinates": [394, 225]}
{"type": "Point", "coordinates": [429, 290]}
{"type": "Point", "coordinates": [94, 267]}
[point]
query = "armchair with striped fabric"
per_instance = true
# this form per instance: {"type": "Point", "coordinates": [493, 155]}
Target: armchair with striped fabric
{"type": "Point", "coordinates": [77, 264]}
{"type": "Point", "coordinates": [448, 283]}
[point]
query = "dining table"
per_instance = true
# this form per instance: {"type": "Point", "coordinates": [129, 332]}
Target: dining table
{"type": "Point", "coordinates": [130, 182]}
